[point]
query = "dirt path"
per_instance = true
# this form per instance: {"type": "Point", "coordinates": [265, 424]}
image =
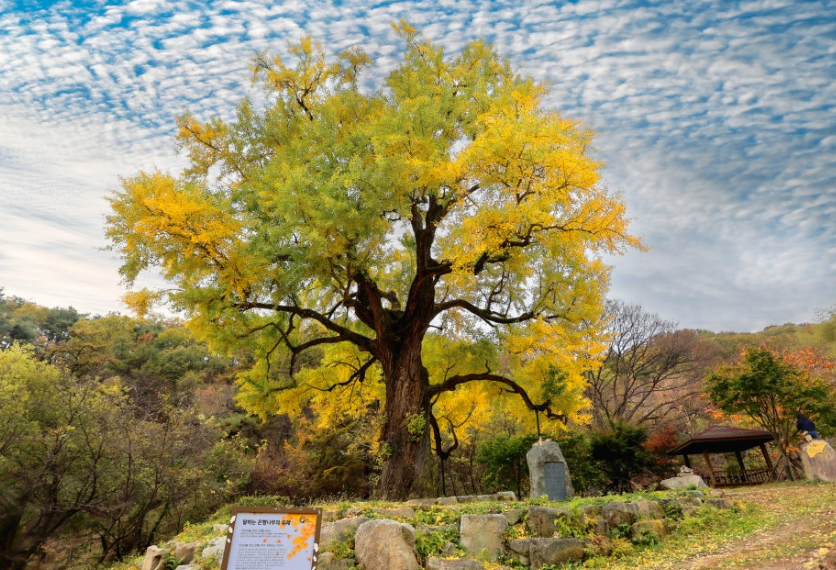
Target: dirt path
{"type": "Point", "coordinates": [802, 535]}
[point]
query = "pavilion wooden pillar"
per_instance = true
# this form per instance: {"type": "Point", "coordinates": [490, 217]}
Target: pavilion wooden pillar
{"type": "Point", "coordinates": [768, 460]}
{"type": "Point", "coordinates": [710, 468]}
{"type": "Point", "coordinates": [742, 467]}
{"type": "Point", "coordinates": [687, 462]}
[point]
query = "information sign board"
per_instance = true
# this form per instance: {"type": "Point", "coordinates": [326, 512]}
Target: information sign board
{"type": "Point", "coordinates": [555, 479]}
{"type": "Point", "coordinates": [262, 538]}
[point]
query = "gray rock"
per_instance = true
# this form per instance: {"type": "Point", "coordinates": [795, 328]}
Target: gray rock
{"type": "Point", "coordinates": [542, 452]}
{"type": "Point", "coordinates": [424, 529]}
{"type": "Point", "coordinates": [483, 535]}
{"type": "Point", "coordinates": [184, 551]}
{"type": "Point", "coordinates": [453, 564]}
{"type": "Point", "coordinates": [215, 549]}
{"type": "Point", "coordinates": [697, 501]}
{"type": "Point", "coordinates": [645, 509]}
{"type": "Point", "coordinates": [220, 528]}
{"type": "Point", "coordinates": [446, 501]}
{"type": "Point", "coordinates": [513, 516]}
{"type": "Point", "coordinates": [397, 512]}
{"type": "Point", "coordinates": [682, 482]}
{"type": "Point", "coordinates": [449, 549]}
{"type": "Point", "coordinates": [655, 526]}
{"type": "Point", "coordinates": [155, 558]}
{"type": "Point", "coordinates": [689, 510]}
{"type": "Point", "coordinates": [352, 512]}
{"type": "Point", "coordinates": [466, 498]}
{"type": "Point", "coordinates": [330, 516]}
{"type": "Point", "coordinates": [592, 511]}
{"type": "Point", "coordinates": [819, 461]}
{"type": "Point", "coordinates": [486, 498]}
{"type": "Point", "coordinates": [420, 502]}
{"type": "Point", "coordinates": [720, 503]}
{"type": "Point", "coordinates": [540, 520]}
{"type": "Point", "coordinates": [617, 513]}
{"type": "Point", "coordinates": [339, 530]}
{"type": "Point", "coordinates": [506, 496]}
{"type": "Point", "coordinates": [554, 551]}
{"type": "Point", "coordinates": [602, 527]}
{"type": "Point", "coordinates": [520, 546]}
{"type": "Point", "coordinates": [385, 545]}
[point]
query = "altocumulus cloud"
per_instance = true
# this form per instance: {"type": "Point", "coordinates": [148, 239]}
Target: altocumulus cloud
{"type": "Point", "coordinates": [715, 119]}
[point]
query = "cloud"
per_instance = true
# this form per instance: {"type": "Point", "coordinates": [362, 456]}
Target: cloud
{"type": "Point", "coordinates": [715, 119]}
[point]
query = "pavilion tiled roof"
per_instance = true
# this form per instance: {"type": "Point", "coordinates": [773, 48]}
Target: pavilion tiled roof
{"type": "Point", "coordinates": [722, 439]}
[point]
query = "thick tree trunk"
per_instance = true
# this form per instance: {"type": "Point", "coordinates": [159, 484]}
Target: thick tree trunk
{"type": "Point", "coordinates": [406, 431]}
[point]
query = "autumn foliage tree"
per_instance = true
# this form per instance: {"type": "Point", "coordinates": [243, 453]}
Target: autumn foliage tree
{"type": "Point", "coordinates": [412, 246]}
{"type": "Point", "coordinates": [769, 390]}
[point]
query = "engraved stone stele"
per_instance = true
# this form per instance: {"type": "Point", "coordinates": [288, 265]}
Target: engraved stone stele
{"type": "Point", "coordinates": [819, 461]}
{"type": "Point", "coordinates": [549, 472]}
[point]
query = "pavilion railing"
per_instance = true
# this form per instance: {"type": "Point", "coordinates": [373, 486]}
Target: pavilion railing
{"type": "Point", "coordinates": [750, 477]}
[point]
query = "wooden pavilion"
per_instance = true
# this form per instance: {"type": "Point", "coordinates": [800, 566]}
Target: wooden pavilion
{"type": "Point", "coordinates": [727, 439]}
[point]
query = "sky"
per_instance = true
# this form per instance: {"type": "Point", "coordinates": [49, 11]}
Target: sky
{"type": "Point", "coordinates": [716, 121]}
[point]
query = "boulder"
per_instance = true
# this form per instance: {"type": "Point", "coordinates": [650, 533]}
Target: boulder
{"type": "Point", "coordinates": [155, 558]}
{"type": "Point", "coordinates": [540, 520]}
{"type": "Point", "coordinates": [506, 496]}
{"type": "Point", "coordinates": [420, 502]}
{"type": "Point", "coordinates": [220, 528]}
{"type": "Point", "coordinates": [513, 516]}
{"type": "Point", "coordinates": [215, 549]}
{"type": "Point", "coordinates": [645, 509]}
{"type": "Point", "coordinates": [483, 535]}
{"type": "Point", "coordinates": [819, 461]}
{"type": "Point", "coordinates": [446, 501]}
{"type": "Point", "coordinates": [453, 564]}
{"type": "Point", "coordinates": [541, 454]}
{"type": "Point", "coordinates": [617, 513]}
{"type": "Point", "coordinates": [654, 526]}
{"type": "Point", "coordinates": [184, 552]}
{"type": "Point", "coordinates": [544, 551]}
{"type": "Point", "coordinates": [520, 546]}
{"type": "Point", "coordinates": [339, 530]}
{"type": "Point", "coordinates": [680, 482]}
{"type": "Point", "coordinates": [397, 512]}
{"type": "Point", "coordinates": [422, 528]}
{"type": "Point", "coordinates": [385, 545]}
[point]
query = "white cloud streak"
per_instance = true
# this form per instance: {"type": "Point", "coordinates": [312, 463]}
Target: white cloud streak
{"type": "Point", "coordinates": [716, 120]}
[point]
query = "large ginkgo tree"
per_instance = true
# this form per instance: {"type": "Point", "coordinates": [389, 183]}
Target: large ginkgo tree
{"type": "Point", "coordinates": [414, 251]}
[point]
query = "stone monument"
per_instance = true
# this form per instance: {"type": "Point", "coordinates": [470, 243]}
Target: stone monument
{"type": "Point", "coordinates": [549, 472]}
{"type": "Point", "coordinates": [819, 461]}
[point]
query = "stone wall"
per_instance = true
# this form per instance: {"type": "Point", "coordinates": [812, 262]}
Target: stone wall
{"type": "Point", "coordinates": [438, 534]}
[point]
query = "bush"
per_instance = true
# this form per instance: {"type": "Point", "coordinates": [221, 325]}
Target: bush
{"type": "Point", "coordinates": [621, 454]}
{"type": "Point", "coordinates": [504, 461]}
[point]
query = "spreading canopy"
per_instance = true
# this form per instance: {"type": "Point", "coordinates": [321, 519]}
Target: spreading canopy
{"type": "Point", "coordinates": [332, 229]}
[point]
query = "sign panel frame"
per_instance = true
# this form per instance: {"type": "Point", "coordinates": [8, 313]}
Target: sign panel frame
{"type": "Point", "coordinates": [268, 538]}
